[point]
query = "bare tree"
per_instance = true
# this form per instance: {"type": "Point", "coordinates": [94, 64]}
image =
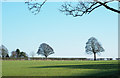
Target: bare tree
{"type": "Point", "coordinates": [45, 50]}
{"type": "Point", "coordinates": [93, 47]}
{"type": "Point", "coordinates": [32, 53]}
{"type": "Point", "coordinates": [79, 9]}
{"type": "Point", "coordinates": [3, 51]}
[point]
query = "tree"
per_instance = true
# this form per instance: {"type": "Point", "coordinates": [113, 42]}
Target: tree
{"type": "Point", "coordinates": [93, 47]}
{"type": "Point", "coordinates": [18, 53]}
{"type": "Point", "coordinates": [79, 9]}
{"type": "Point", "coordinates": [23, 55]}
{"type": "Point", "coordinates": [45, 50]}
{"type": "Point", "coordinates": [32, 53]}
{"type": "Point", "coordinates": [3, 51]}
{"type": "Point", "coordinates": [14, 54]}
{"type": "Point", "coordinates": [7, 56]}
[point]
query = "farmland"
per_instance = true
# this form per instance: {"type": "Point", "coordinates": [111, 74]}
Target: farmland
{"type": "Point", "coordinates": [59, 68]}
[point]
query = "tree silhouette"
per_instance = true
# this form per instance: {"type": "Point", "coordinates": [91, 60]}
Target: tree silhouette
{"type": "Point", "coordinates": [35, 7]}
{"type": "Point", "coordinates": [79, 9]}
{"type": "Point", "coordinates": [85, 7]}
{"type": "Point", "coordinates": [7, 55]}
{"type": "Point", "coordinates": [93, 47]}
{"type": "Point", "coordinates": [45, 50]}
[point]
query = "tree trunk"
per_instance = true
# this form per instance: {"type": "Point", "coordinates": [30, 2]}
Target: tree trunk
{"type": "Point", "coordinates": [46, 57]}
{"type": "Point", "coordinates": [94, 56]}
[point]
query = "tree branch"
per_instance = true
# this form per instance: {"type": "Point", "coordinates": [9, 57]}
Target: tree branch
{"type": "Point", "coordinates": [95, 7]}
{"type": "Point", "coordinates": [35, 7]}
{"type": "Point", "coordinates": [106, 6]}
{"type": "Point", "coordinates": [85, 7]}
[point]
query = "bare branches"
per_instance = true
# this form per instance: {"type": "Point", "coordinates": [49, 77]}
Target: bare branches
{"type": "Point", "coordinates": [45, 50]}
{"type": "Point", "coordinates": [82, 8]}
{"type": "Point", "coordinates": [76, 8]}
{"type": "Point", "coordinates": [93, 47]}
{"type": "Point", "coordinates": [35, 7]}
{"type": "Point", "coordinates": [106, 6]}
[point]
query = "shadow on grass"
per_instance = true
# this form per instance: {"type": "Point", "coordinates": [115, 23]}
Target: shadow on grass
{"type": "Point", "coordinates": [110, 74]}
{"type": "Point", "coordinates": [91, 66]}
{"type": "Point", "coordinates": [106, 74]}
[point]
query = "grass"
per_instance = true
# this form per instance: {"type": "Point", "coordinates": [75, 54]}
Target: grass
{"type": "Point", "coordinates": [59, 68]}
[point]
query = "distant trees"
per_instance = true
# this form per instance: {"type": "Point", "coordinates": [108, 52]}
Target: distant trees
{"type": "Point", "coordinates": [23, 55]}
{"type": "Point", "coordinates": [7, 55]}
{"type": "Point", "coordinates": [13, 54]}
{"type": "Point", "coordinates": [32, 53]}
{"type": "Point", "coordinates": [18, 54]}
{"type": "Point", "coordinates": [3, 51]}
{"type": "Point", "coordinates": [45, 50]}
{"type": "Point", "coordinates": [93, 47]}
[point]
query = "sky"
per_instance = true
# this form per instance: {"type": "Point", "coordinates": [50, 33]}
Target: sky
{"type": "Point", "coordinates": [67, 35]}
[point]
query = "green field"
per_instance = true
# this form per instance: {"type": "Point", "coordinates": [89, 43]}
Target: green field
{"type": "Point", "coordinates": [59, 68]}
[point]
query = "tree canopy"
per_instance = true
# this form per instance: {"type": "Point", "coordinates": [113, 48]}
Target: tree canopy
{"type": "Point", "coordinates": [45, 50]}
{"type": "Point", "coordinates": [93, 47]}
{"type": "Point", "coordinates": [3, 51]}
{"type": "Point", "coordinates": [18, 54]}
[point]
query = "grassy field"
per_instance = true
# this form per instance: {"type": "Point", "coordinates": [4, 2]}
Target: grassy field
{"type": "Point", "coordinates": [59, 68]}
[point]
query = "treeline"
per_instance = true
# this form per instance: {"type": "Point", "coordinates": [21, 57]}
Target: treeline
{"type": "Point", "coordinates": [14, 54]}
{"type": "Point", "coordinates": [92, 47]}
{"type": "Point", "coordinates": [35, 58]}
{"type": "Point", "coordinates": [72, 58]}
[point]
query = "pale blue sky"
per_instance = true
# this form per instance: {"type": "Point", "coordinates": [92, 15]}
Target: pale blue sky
{"type": "Point", "coordinates": [65, 34]}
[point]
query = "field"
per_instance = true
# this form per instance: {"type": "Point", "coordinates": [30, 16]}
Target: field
{"type": "Point", "coordinates": [59, 68]}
